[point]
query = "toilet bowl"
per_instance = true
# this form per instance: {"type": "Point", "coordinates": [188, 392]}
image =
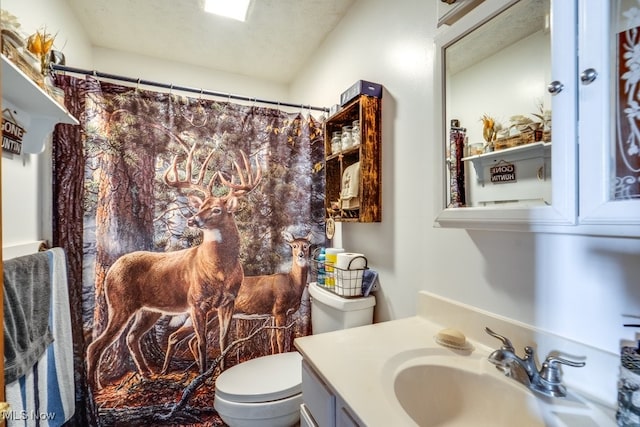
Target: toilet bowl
{"type": "Point", "coordinates": [267, 391]}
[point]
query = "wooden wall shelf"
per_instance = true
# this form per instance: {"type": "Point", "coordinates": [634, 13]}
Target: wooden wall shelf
{"type": "Point", "coordinates": [368, 110]}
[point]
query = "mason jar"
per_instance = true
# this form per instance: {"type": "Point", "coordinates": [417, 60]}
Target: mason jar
{"type": "Point", "coordinates": [355, 133]}
{"type": "Point", "coordinates": [336, 142]}
{"type": "Point", "coordinates": [347, 140]}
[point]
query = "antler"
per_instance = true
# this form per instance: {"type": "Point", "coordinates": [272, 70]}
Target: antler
{"type": "Point", "coordinates": [171, 176]}
{"type": "Point", "coordinates": [188, 182]}
{"type": "Point", "coordinates": [246, 184]}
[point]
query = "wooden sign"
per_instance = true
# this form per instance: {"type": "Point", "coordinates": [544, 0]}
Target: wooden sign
{"type": "Point", "coordinates": [503, 172]}
{"type": "Point", "coordinates": [12, 133]}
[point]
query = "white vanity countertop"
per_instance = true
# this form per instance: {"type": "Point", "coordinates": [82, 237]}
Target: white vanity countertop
{"type": "Point", "coordinates": [355, 362]}
{"type": "Point", "coordinates": [352, 362]}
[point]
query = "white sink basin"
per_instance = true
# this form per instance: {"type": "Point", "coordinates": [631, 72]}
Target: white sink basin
{"type": "Point", "coordinates": [439, 387]}
{"type": "Point", "coordinates": [457, 396]}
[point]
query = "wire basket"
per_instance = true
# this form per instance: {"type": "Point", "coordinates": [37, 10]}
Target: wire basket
{"type": "Point", "coordinates": [345, 282]}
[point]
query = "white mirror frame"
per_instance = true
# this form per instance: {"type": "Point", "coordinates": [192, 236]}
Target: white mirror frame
{"type": "Point", "coordinates": [596, 206]}
{"type": "Point", "coordinates": [563, 210]}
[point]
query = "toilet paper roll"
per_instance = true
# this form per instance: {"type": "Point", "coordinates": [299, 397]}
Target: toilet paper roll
{"type": "Point", "coordinates": [349, 272]}
{"type": "Point", "coordinates": [350, 261]}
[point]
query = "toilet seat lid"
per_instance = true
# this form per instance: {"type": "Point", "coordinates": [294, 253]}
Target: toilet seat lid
{"type": "Point", "coordinates": [262, 379]}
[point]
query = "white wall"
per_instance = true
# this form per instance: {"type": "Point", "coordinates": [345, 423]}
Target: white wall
{"type": "Point", "coordinates": [391, 45]}
{"type": "Point", "coordinates": [21, 186]}
{"type": "Point", "coordinates": [134, 66]}
{"type": "Point", "coordinates": [575, 286]}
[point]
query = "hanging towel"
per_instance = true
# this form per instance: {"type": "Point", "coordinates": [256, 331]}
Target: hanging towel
{"type": "Point", "coordinates": [27, 289]}
{"type": "Point", "coordinates": [45, 396]}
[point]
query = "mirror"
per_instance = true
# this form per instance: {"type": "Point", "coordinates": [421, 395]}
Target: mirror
{"type": "Point", "coordinates": [497, 110]}
{"type": "Point", "coordinates": [625, 175]}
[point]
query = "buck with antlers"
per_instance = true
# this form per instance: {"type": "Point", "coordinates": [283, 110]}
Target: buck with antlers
{"type": "Point", "coordinates": [274, 295]}
{"type": "Point", "coordinates": [197, 280]}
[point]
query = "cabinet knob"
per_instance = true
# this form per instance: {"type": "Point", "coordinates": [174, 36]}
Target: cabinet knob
{"type": "Point", "coordinates": [588, 76]}
{"type": "Point", "coordinates": [555, 87]}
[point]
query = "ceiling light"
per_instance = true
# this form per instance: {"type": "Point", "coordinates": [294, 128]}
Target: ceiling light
{"type": "Point", "coordinates": [235, 9]}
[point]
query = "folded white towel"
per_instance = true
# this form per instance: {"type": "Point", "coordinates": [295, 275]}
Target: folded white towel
{"type": "Point", "coordinates": [351, 186]}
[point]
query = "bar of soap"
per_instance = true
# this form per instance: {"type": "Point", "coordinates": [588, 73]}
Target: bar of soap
{"type": "Point", "coordinates": [451, 337]}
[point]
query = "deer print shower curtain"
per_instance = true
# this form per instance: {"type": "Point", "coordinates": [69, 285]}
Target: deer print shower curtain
{"type": "Point", "coordinates": [188, 224]}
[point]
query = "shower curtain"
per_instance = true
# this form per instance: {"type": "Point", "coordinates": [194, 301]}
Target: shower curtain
{"type": "Point", "coordinates": [132, 183]}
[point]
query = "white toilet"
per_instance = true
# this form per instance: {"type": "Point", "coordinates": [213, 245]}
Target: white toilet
{"type": "Point", "coordinates": [267, 391]}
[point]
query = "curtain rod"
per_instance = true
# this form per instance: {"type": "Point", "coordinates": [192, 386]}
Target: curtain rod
{"type": "Point", "coordinates": [64, 68]}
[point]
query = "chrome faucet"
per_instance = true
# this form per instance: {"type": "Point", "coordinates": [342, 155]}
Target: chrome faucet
{"type": "Point", "coordinates": [547, 381]}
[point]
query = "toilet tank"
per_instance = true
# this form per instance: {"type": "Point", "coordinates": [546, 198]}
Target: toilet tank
{"type": "Point", "coordinates": [330, 312]}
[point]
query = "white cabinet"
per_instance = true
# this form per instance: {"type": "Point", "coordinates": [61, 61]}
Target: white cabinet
{"type": "Point", "coordinates": [344, 417]}
{"type": "Point", "coordinates": [450, 11]}
{"type": "Point", "coordinates": [318, 399]}
{"type": "Point", "coordinates": [322, 407]}
{"type": "Point", "coordinates": [524, 170]}
{"type": "Point", "coordinates": [37, 111]}
{"type": "Point", "coordinates": [588, 194]}
{"type": "Point", "coordinates": [609, 126]}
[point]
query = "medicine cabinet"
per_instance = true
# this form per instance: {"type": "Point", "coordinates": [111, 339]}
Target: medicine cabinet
{"type": "Point", "coordinates": [609, 125]}
{"type": "Point", "coordinates": [353, 170]}
{"type": "Point", "coordinates": [536, 68]}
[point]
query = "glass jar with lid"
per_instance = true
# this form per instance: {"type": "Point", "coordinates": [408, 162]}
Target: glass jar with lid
{"type": "Point", "coordinates": [347, 140]}
{"type": "Point", "coordinates": [336, 142]}
{"type": "Point", "coordinates": [355, 133]}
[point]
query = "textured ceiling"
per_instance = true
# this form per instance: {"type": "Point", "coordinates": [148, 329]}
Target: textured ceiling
{"type": "Point", "coordinates": [278, 37]}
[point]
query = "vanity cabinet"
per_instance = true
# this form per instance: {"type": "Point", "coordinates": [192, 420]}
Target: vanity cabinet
{"type": "Point", "coordinates": [593, 170]}
{"type": "Point", "coordinates": [321, 406]}
{"type": "Point", "coordinates": [366, 206]}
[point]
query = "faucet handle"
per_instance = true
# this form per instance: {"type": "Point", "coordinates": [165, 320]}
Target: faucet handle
{"type": "Point", "coordinates": [550, 370]}
{"type": "Point", "coordinates": [506, 343]}
{"type": "Point", "coordinates": [550, 380]}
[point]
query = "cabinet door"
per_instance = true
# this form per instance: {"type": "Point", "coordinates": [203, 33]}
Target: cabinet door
{"type": "Point", "coordinates": [609, 126]}
{"type": "Point", "coordinates": [344, 417]}
{"type": "Point", "coordinates": [318, 399]}
{"type": "Point", "coordinates": [490, 24]}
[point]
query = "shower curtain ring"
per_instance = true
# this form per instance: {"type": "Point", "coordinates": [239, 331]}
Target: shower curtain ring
{"type": "Point", "coordinates": [138, 85]}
